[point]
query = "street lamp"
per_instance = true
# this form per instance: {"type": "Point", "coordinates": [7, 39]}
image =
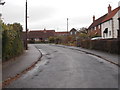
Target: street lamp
{"type": "Point", "coordinates": [26, 46]}
{"type": "Point", "coordinates": [2, 3]}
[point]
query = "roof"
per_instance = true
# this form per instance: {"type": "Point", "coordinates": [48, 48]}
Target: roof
{"type": "Point", "coordinates": [73, 29]}
{"type": "Point", "coordinates": [41, 33]}
{"type": "Point", "coordinates": [104, 18]}
{"type": "Point", "coordinates": [61, 32]}
{"type": "Point", "coordinates": [97, 21]}
{"type": "Point", "coordinates": [111, 14]}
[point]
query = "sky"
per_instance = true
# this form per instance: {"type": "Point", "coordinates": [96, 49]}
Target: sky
{"type": "Point", "coordinates": [53, 14]}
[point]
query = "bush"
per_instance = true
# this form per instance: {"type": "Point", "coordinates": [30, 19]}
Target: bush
{"type": "Point", "coordinates": [31, 41]}
{"type": "Point", "coordinates": [12, 45]}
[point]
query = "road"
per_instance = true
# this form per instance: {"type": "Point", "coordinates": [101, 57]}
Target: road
{"type": "Point", "coordinates": [65, 68]}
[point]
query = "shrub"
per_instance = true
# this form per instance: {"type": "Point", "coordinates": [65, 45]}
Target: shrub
{"type": "Point", "coordinates": [12, 45]}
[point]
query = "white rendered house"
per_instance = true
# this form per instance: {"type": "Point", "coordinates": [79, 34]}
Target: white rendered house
{"type": "Point", "coordinates": [110, 24]}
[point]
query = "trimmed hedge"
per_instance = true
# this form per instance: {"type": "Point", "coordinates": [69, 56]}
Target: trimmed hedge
{"type": "Point", "coordinates": [107, 45]}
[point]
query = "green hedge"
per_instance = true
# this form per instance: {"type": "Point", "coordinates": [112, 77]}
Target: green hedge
{"type": "Point", "coordinates": [12, 45]}
{"type": "Point", "coordinates": [111, 46]}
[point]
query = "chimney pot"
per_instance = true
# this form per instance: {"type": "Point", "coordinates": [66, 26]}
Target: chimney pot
{"type": "Point", "coordinates": [109, 9]}
{"type": "Point", "coordinates": [93, 18]}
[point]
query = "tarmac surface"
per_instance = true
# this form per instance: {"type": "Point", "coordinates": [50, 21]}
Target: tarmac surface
{"type": "Point", "coordinates": [62, 67]}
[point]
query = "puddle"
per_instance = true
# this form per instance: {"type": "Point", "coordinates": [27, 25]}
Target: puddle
{"type": "Point", "coordinates": [48, 54]}
{"type": "Point", "coordinates": [55, 51]}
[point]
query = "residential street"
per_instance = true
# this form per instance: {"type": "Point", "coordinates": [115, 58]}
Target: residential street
{"type": "Point", "coordinates": [62, 67]}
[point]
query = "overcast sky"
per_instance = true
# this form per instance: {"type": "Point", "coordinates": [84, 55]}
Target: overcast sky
{"type": "Point", "coordinates": [53, 14]}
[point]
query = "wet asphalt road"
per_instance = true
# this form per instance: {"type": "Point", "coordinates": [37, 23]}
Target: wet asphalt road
{"type": "Point", "coordinates": [65, 68]}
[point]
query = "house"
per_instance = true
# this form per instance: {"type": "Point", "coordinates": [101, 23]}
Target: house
{"type": "Point", "coordinates": [110, 23]}
{"type": "Point", "coordinates": [119, 28]}
{"type": "Point", "coordinates": [106, 26]}
{"type": "Point", "coordinates": [61, 33]}
{"type": "Point", "coordinates": [40, 35]}
{"type": "Point", "coordinates": [83, 30]}
{"type": "Point", "coordinates": [73, 31]}
{"type": "Point", "coordinates": [95, 28]}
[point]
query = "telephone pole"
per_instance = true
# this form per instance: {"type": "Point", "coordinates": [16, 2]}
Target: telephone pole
{"type": "Point", "coordinates": [67, 26]}
{"type": "Point", "coordinates": [26, 43]}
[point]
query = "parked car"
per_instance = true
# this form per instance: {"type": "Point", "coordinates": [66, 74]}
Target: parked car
{"type": "Point", "coordinates": [96, 38]}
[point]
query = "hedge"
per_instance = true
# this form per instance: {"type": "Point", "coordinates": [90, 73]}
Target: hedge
{"type": "Point", "coordinates": [12, 45]}
{"type": "Point", "coordinates": [107, 45]}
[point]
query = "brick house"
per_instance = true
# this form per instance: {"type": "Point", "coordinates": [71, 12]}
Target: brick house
{"type": "Point", "coordinates": [95, 28]}
{"type": "Point", "coordinates": [61, 33]}
{"type": "Point", "coordinates": [40, 35]}
{"type": "Point", "coordinates": [73, 31]}
{"type": "Point", "coordinates": [105, 26]}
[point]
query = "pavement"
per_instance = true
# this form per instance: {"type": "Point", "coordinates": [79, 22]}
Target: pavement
{"type": "Point", "coordinates": [105, 55]}
{"type": "Point", "coordinates": [19, 64]}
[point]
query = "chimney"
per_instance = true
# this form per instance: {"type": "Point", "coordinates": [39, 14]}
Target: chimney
{"type": "Point", "coordinates": [109, 9]}
{"type": "Point", "coordinates": [44, 29]}
{"type": "Point", "coordinates": [93, 18]}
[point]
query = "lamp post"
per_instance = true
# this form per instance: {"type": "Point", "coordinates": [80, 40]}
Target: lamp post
{"type": "Point", "coordinates": [2, 3]}
{"type": "Point", "coordinates": [67, 30]}
{"type": "Point", "coordinates": [26, 44]}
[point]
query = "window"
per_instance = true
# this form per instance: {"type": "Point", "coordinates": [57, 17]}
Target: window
{"type": "Point", "coordinates": [98, 26]}
{"type": "Point", "coordinates": [75, 33]}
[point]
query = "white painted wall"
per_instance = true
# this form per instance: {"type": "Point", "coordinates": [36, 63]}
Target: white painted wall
{"type": "Point", "coordinates": [111, 28]}
{"type": "Point", "coordinates": [108, 25]}
{"type": "Point", "coordinates": [116, 26]}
